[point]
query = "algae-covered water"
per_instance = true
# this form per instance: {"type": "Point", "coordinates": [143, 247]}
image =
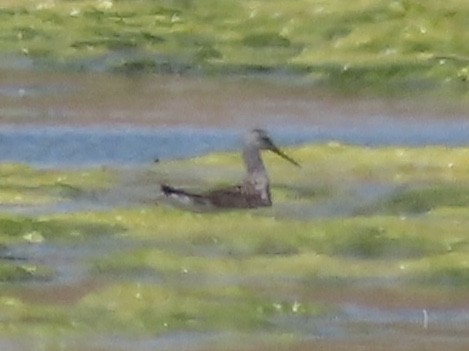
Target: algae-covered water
{"type": "Point", "coordinates": [373, 46]}
{"type": "Point", "coordinates": [366, 244]}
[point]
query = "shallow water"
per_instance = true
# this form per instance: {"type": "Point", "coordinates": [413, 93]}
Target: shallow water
{"type": "Point", "coordinates": [71, 120]}
{"type": "Point", "coordinates": [53, 119]}
{"type": "Point", "coordinates": [93, 146]}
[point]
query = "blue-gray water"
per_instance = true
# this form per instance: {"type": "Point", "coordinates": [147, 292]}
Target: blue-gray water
{"type": "Point", "coordinates": [120, 119]}
{"type": "Point", "coordinates": [88, 146]}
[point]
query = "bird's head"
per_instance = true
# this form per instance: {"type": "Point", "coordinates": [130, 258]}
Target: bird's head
{"type": "Point", "coordinates": [261, 140]}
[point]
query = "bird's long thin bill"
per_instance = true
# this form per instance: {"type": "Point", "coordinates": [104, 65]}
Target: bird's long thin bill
{"type": "Point", "coordinates": [286, 157]}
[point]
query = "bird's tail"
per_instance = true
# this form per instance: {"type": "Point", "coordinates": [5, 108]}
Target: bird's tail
{"type": "Point", "coordinates": [169, 190]}
{"type": "Point", "coordinates": [182, 197]}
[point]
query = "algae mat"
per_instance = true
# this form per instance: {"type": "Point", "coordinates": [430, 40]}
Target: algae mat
{"type": "Point", "coordinates": [362, 247]}
{"type": "Point", "coordinates": [374, 46]}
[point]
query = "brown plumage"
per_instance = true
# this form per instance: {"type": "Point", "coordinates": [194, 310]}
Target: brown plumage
{"type": "Point", "coordinates": [253, 192]}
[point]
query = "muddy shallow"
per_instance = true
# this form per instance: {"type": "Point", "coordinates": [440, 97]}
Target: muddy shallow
{"type": "Point", "coordinates": [52, 119]}
{"type": "Point", "coordinates": [126, 123]}
{"type": "Point", "coordinates": [50, 98]}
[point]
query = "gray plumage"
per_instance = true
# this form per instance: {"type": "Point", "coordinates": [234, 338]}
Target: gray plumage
{"type": "Point", "coordinates": [253, 192]}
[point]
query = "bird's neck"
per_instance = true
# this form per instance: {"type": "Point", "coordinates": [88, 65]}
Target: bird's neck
{"type": "Point", "coordinates": [252, 159]}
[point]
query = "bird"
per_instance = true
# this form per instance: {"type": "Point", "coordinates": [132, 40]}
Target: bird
{"type": "Point", "coordinates": [253, 192]}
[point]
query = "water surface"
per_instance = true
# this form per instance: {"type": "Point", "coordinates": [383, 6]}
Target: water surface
{"type": "Point", "coordinates": [59, 119]}
{"type": "Point", "coordinates": [128, 122]}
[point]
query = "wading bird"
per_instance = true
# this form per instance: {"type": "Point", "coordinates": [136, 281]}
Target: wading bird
{"type": "Point", "coordinates": [253, 192]}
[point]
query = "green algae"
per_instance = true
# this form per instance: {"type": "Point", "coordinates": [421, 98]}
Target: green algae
{"type": "Point", "coordinates": [422, 200]}
{"type": "Point", "coordinates": [373, 45]}
{"type": "Point", "coordinates": [15, 229]}
{"type": "Point", "coordinates": [141, 310]}
{"type": "Point", "coordinates": [444, 272]}
{"type": "Point", "coordinates": [258, 243]}
{"type": "Point", "coordinates": [23, 185]}
{"type": "Point", "coordinates": [177, 271]}
{"type": "Point", "coordinates": [23, 272]}
{"type": "Point", "coordinates": [261, 247]}
{"type": "Point", "coordinates": [336, 163]}
{"type": "Point", "coordinates": [263, 243]}
{"type": "Point", "coordinates": [157, 308]}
